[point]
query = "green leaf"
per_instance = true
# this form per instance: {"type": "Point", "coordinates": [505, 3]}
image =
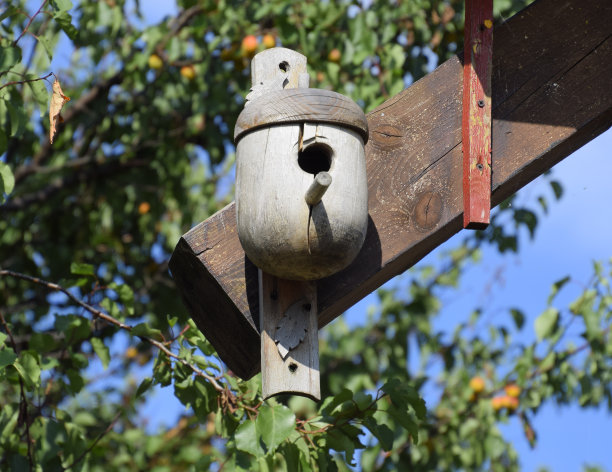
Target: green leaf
{"type": "Point", "coordinates": [63, 5]}
{"type": "Point", "coordinates": [28, 368]}
{"type": "Point", "coordinates": [44, 42]}
{"type": "Point", "coordinates": [247, 439]}
{"type": "Point", "coordinates": [10, 11]}
{"type": "Point", "coordinates": [528, 218]}
{"type": "Point", "coordinates": [143, 329]}
{"type": "Point", "coordinates": [405, 420]}
{"type": "Point", "coordinates": [557, 189]}
{"type": "Point", "coordinates": [162, 370]}
{"type": "Point", "coordinates": [380, 432]}
{"type": "Point", "coordinates": [556, 287]}
{"type": "Point", "coordinates": [291, 454]}
{"type": "Point", "coordinates": [144, 386]}
{"type": "Point", "coordinates": [518, 317]}
{"type": "Point", "coordinates": [7, 179]}
{"type": "Point", "coordinates": [74, 327]}
{"type": "Point", "coordinates": [79, 268]}
{"type": "Point", "coordinates": [7, 357]}
{"type": "Point", "coordinates": [18, 120]}
{"type": "Point", "coordinates": [274, 424]}
{"type": "Point", "coordinates": [363, 400]}
{"type": "Point", "coordinates": [402, 393]}
{"type": "Point", "coordinates": [101, 350]}
{"type": "Point", "coordinates": [64, 20]}
{"type": "Point", "coordinates": [548, 361]}
{"type": "Point", "coordinates": [546, 323]}
{"type": "Point", "coordinates": [9, 57]}
{"type": "Point", "coordinates": [42, 342]}
{"type": "Point", "coordinates": [330, 403]}
{"type": "Point", "coordinates": [583, 302]}
{"type": "Point", "coordinates": [76, 381]}
{"type": "Point", "coordinates": [341, 442]}
{"type": "Point", "coordinates": [126, 295]}
{"type": "Point", "coordinates": [40, 94]}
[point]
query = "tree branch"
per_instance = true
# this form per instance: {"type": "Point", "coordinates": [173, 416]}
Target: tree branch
{"type": "Point", "coordinates": [29, 23]}
{"type": "Point", "coordinates": [106, 317]}
{"type": "Point", "coordinates": [17, 82]}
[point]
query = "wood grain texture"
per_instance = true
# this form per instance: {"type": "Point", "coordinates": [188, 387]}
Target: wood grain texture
{"type": "Point", "coordinates": [300, 106]}
{"type": "Point", "coordinates": [280, 233]}
{"type": "Point", "coordinates": [298, 373]}
{"type": "Point", "coordinates": [551, 82]}
{"type": "Point", "coordinates": [476, 117]}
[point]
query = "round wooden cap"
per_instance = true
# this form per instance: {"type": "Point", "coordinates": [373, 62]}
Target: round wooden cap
{"type": "Point", "coordinates": [301, 105]}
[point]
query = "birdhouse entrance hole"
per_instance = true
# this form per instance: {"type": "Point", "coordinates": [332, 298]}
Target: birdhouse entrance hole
{"type": "Point", "coordinates": [315, 158]}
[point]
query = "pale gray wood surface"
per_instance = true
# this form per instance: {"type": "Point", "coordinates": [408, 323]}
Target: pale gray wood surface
{"type": "Point", "coordinates": [298, 371]}
{"type": "Point", "coordinates": [317, 188]}
{"type": "Point", "coordinates": [273, 216]}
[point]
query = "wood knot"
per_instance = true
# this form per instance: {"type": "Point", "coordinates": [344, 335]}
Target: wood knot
{"type": "Point", "coordinates": [386, 135]}
{"type": "Point", "coordinates": [428, 209]}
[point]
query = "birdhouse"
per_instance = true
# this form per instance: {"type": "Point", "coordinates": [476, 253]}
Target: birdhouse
{"type": "Point", "coordinates": [301, 186]}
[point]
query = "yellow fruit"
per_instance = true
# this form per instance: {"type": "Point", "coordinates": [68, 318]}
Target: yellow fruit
{"type": "Point", "coordinates": [131, 352]}
{"type": "Point", "coordinates": [144, 207]}
{"type": "Point", "coordinates": [188, 72]}
{"type": "Point", "coordinates": [512, 390]}
{"type": "Point", "coordinates": [269, 41]}
{"type": "Point", "coordinates": [249, 45]}
{"type": "Point", "coordinates": [512, 403]}
{"type": "Point", "coordinates": [334, 55]}
{"type": "Point", "coordinates": [477, 384]}
{"type": "Point", "coordinates": [155, 62]}
{"type": "Point", "coordinates": [498, 403]}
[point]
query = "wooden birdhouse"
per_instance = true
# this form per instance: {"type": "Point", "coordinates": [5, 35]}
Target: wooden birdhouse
{"type": "Point", "coordinates": [301, 207]}
{"type": "Point", "coordinates": [301, 186]}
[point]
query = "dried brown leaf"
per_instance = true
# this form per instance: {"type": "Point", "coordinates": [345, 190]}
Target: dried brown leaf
{"type": "Point", "coordinates": [58, 99]}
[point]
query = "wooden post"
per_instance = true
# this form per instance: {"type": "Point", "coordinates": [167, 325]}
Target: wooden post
{"type": "Point", "coordinates": [476, 119]}
{"type": "Point", "coordinates": [289, 337]}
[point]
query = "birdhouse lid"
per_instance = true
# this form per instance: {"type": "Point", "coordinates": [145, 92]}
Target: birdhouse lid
{"type": "Point", "coordinates": [305, 105]}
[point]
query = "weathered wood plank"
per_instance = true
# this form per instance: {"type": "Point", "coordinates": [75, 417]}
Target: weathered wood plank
{"type": "Point", "coordinates": [552, 77]}
{"type": "Point", "coordinates": [290, 308]}
{"type": "Point", "coordinates": [476, 117]}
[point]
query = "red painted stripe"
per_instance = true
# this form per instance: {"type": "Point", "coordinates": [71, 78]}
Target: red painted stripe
{"type": "Point", "coordinates": [476, 119]}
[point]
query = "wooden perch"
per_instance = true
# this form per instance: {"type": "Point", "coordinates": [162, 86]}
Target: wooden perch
{"type": "Point", "coordinates": [552, 82]}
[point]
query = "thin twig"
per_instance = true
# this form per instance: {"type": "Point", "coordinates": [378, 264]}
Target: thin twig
{"type": "Point", "coordinates": [104, 316]}
{"type": "Point", "coordinates": [29, 23]}
{"type": "Point", "coordinates": [17, 82]}
{"type": "Point", "coordinates": [93, 444]}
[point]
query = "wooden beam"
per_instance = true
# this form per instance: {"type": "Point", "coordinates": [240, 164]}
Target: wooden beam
{"type": "Point", "coordinates": [476, 117]}
{"type": "Point", "coordinates": [552, 82]}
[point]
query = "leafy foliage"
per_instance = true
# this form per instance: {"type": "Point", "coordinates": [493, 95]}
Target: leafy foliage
{"type": "Point", "coordinates": [144, 152]}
